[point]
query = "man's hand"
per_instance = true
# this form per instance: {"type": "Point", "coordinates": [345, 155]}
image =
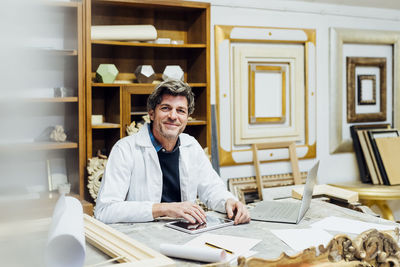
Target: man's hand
{"type": "Point", "coordinates": [237, 208]}
{"type": "Point", "coordinates": [187, 210]}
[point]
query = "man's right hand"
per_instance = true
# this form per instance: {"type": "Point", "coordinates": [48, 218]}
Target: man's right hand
{"type": "Point", "coordinates": [186, 210]}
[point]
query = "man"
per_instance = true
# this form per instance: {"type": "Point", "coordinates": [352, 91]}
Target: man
{"type": "Point", "coordinates": [160, 171]}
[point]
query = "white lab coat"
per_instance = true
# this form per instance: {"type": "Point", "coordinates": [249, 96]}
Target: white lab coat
{"type": "Point", "coordinates": [132, 181]}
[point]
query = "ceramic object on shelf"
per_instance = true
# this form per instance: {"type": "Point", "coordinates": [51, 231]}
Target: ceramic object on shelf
{"type": "Point", "coordinates": [106, 73]}
{"type": "Point", "coordinates": [145, 74]}
{"type": "Point", "coordinates": [173, 72]}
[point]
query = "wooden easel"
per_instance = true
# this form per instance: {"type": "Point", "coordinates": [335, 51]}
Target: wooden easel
{"type": "Point", "coordinates": [292, 156]}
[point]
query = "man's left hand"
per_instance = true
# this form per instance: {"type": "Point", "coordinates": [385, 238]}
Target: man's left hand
{"type": "Point", "coordinates": [237, 208]}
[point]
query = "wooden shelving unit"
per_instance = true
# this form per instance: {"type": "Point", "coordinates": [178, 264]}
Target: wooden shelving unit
{"type": "Point", "coordinates": [72, 55]}
{"type": "Point", "coordinates": [122, 103]}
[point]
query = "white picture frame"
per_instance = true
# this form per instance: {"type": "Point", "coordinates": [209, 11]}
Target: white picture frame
{"type": "Point", "coordinates": [233, 149]}
{"type": "Point", "coordinates": [291, 57]}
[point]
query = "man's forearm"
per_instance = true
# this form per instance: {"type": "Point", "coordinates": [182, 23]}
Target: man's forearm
{"type": "Point", "coordinates": [158, 210]}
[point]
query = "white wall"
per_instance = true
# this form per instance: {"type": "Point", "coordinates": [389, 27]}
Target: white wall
{"type": "Point", "coordinates": [334, 168]}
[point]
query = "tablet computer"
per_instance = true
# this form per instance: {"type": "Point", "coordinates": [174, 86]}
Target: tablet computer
{"type": "Point", "coordinates": [194, 228]}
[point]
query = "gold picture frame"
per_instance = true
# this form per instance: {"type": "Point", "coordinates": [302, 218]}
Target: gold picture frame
{"type": "Point", "coordinates": [361, 99]}
{"type": "Point", "coordinates": [351, 64]}
{"type": "Point", "coordinates": [256, 68]}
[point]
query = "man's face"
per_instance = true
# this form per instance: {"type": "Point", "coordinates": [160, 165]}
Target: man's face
{"type": "Point", "coordinates": [169, 117]}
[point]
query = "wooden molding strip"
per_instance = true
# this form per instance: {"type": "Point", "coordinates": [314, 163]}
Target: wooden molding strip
{"type": "Point", "coordinates": [245, 185]}
{"type": "Point", "coordinates": [118, 245]}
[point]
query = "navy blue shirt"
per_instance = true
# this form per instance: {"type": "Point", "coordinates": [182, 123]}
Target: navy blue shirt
{"type": "Point", "coordinates": [169, 163]}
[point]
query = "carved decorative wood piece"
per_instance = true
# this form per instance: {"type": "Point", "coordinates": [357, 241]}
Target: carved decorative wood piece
{"type": "Point", "coordinates": [370, 248]}
{"type": "Point", "coordinates": [95, 168]}
{"type": "Point", "coordinates": [373, 247]}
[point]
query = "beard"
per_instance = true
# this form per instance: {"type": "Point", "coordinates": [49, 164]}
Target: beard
{"type": "Point", "coordinates": [170, 133]}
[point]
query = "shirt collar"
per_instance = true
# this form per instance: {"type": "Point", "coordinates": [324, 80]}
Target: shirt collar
{"type": "Point", "coordinates": [156, 144]}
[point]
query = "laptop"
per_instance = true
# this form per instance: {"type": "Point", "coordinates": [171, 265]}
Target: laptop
{"type": "Point", "coordinates": [286, 212]}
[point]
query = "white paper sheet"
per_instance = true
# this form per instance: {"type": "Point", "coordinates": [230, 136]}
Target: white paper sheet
{"type": "Point", "coordinates": [240, 246]}
{"type": "Point", "coordinates": [205, 254]}
{"type": "Point", "coordinates": [66, 242]}
{"type": "Point", "coordinates": [300, 239]}
{"type": "Point", "coordinates": [339, 224]}
{"type": "Point", "coordinates": [124, 32]}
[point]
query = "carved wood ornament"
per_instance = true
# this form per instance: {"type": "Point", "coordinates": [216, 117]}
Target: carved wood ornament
{"type": "Point", "coordinates": [370, 248]}
{"type": "Point", "coordinates": [95, 170]}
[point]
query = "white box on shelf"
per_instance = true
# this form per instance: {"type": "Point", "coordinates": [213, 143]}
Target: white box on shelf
{"type": "Point", "coordinates": [97, 119]}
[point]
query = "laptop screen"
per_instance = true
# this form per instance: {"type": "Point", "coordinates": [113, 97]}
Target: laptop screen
{"type": "Point", "coordinates": [308, 190]}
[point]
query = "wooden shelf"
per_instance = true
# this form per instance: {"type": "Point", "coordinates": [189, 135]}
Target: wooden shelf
{"type": "Point", "coordinates": [196, 122]}
{"type": "Point", "coordinates": [107, 84]}
{"type": "Point", "coordinates": [94, 84]}
{"type": "Point", "coordinates": [137, 44]}
{"type": "Point", "coordinates": [52, 99]}
{"type": "Point", "coordinates": [58, 52]}
{"type": "Point", "coordinates": [197, 85]}
{"type": "Point", "coordinates": [106, 125]}
{"type": "Point", "coordinates": [160, 4]}
{"type": "Point", "coordinates": [40, 146]}
{"type": "Point", "coordinates": [139, 113]}
{"type": "Point", "coordinates": [56, 3]}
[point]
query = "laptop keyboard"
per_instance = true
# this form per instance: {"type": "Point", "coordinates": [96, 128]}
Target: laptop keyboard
{"type": "Point", "coordinates": [276, 210]}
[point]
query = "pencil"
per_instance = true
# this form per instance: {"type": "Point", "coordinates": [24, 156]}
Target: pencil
{"type": "Point", "coordinates": [215, 246]}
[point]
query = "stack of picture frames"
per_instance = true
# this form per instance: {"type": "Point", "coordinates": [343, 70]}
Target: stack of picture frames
{"type": "Point", "coordinates": [376, 148]}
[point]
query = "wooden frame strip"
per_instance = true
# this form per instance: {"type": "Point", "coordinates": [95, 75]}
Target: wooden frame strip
{"type": "Point", "coordinates": [240, 187]}
{"type": "Point", "coordinates": [118, 245]}
{"type": "Point", "coordinates": [292, 156]}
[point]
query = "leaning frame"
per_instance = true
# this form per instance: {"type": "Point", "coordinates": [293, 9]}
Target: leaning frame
{"type": "Point", "coordinates": [352, 63]}
{"type": "Point", "coordinates": [340, 36]}
{"type": "Point", "coordinates": [228, 154]}
{"type": "Point", "coordinates": [240, 187]}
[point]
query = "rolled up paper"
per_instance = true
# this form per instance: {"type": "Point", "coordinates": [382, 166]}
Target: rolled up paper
{"type": "Point", "coordinates": [193, 253]}
{"type": "Point", "coordinates": [66, 241]}
{"type": "Point", "coordinates": [124, 32]}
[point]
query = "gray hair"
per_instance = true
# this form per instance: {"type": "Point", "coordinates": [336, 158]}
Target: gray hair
{"type": "Point", "coordinates": [171, 87]}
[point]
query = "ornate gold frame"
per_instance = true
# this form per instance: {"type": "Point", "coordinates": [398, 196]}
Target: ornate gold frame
{"type": "Point", "coordinates": [308, 39]}
{"type": "Point", "coordinates": [352, 63]}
